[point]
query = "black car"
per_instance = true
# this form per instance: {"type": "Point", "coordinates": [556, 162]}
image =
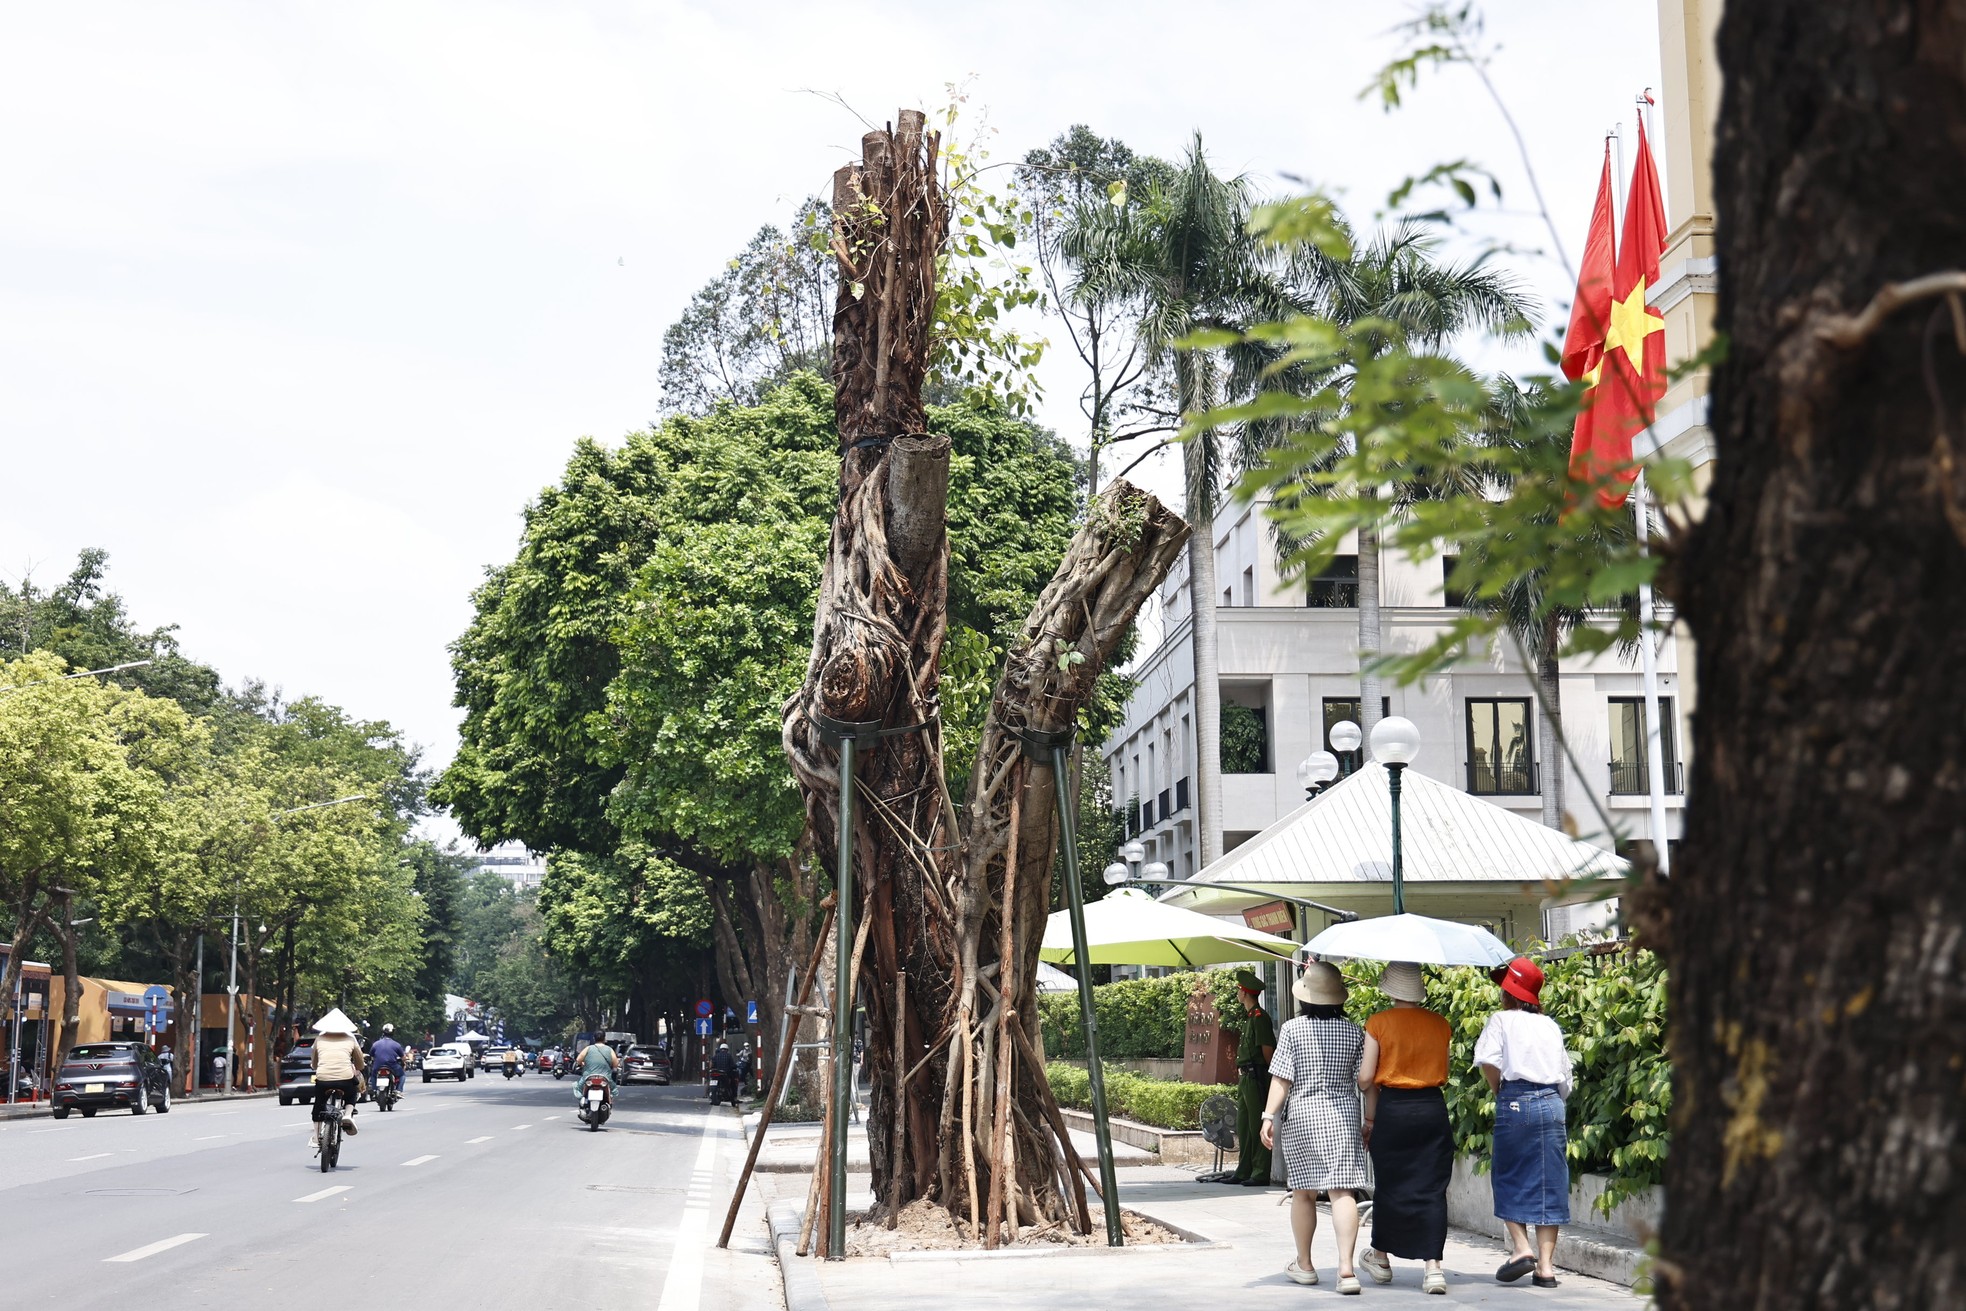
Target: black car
{"type": "Point", "coordinates": [297, 1073]}
{"type": "Point", "coordinates": [651, 1063]}
{"type": "Point", "coordinates": [96, 1076]}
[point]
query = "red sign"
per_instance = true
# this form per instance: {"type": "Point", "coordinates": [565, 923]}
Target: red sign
{"type": "Point", "coordinates": [1278, 917]}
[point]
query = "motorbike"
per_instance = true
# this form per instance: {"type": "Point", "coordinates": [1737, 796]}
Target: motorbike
{"type": "Point", "coordinates": [723, 1088]}
{"type": "Point", "coordinates": [386, 1091]}
{"type": "Point", "coordinates": [511, 1070]}
{"type": "Point", "coordinates": [596, 1101]}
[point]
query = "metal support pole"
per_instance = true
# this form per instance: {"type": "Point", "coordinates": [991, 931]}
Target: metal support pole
{"type": "Point", "coordinates": [232, 1007]}
{"type": "Point", "coordinates": [1399, 887]}
{"type": "Point", "coordinates": [1075, 903]}
{"type": "Point", "coordinates": [842, 1007]}
{"type": "Point", "coordinates": [197, 1021]}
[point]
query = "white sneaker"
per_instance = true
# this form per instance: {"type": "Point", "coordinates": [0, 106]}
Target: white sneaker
{"type": "Point", "coordinates": [1377, 1265]}
{"type": "Point", "coordinates": [1299, 1275]}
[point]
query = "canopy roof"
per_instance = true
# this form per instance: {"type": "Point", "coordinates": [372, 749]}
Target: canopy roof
{"type": "Point", "coordinates": [1129, 927]}
{"type": "Point", "coordinates": [1454, 847]}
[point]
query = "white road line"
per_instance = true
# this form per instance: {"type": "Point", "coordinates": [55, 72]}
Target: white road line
{"type": "Point", "coordinates": [205, 1138]}
{"type": "Point", "coordinates": [517, 1127]}
{"type": "Point", "coordinates": [153, 1249]}
{"type": "Point", "coordinates": [552, 1117]}
{"type": "Point", "coordinates": [483, 1138]}
{"type": "Point", "coordinates": [682, 1289]}
{"type": "Point", "coordinates": [325, 1192]}
{"type": "Point", "coordinates": [92, 1156]}
{"type": "Point", "coordinates": [419, 1160]}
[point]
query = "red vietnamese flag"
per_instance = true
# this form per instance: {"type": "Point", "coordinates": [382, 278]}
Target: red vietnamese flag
{"type": "Point", "coordinates": [1590, 313]}
{"type": "Point", "coordinates": [1632, 371]}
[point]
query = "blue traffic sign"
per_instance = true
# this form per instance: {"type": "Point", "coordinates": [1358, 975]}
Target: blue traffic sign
{"type": "Point", "coordinates": [750, 1012]}
{"type": "Point", "coordinates": [156, 1008]}
{"type": "Point", "coordinates": [703, 1028]}
{"type": "Point", "coordinates": [704, 1009]}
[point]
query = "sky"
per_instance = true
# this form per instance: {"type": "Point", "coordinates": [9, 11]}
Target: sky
{"type": "Point", "coordinates": [300, 304]}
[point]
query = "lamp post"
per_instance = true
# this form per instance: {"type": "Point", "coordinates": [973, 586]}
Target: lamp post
{"type": "Point", "coordinates": [1316, 772]}
{"type": "Point", "coordinates": [1395, 742]}
{"type": "Point", "coordinates": [1345, 738]}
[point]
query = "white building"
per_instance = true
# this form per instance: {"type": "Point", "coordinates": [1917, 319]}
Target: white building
{"type": "Point", "coordinates": [1289, 652]}
{"type": "Point", "coordinates": [513, 863]}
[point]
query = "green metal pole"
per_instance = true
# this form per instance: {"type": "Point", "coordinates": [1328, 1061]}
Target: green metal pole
{"type": "Point", "coordinates": [842, 1007]}
{"type": "Point", "coordinates": [1075, 902]}
{"type": "Point", "coordinates": [1399, 889]}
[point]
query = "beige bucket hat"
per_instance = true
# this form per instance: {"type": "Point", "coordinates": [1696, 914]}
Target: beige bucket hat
{"type": "Point", "coordinates": [1320, 985]}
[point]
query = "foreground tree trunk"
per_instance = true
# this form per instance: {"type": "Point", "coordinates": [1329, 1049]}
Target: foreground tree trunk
{"type": "Point", "coordinates": [951, 906]}
{"type": "Point", "coordinates": [1817, 929]}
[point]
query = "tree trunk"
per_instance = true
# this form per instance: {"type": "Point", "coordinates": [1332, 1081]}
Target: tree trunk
{"type": "Point", "coordinates": [1550, 733]}
{"type": "Point", "coordinates": [1196, 396]}
{"type": "Point", "coordinates": [1370, 639]}
{"type": "Point", "coordinates": [942, 1000]}
{"type": "Point", "coordinates": [1817, 930]}
{"type": "Point", "coordinates": [71, 992]}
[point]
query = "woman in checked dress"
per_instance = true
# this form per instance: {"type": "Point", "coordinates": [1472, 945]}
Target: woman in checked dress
{"type": "Point", "coordinates": [1314, 1083]}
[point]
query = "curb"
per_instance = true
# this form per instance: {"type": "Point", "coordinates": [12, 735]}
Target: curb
{"type": "Point", "coordinates": [803, 1291]}
{"type": "Point", "coordinates": [34, 1110]}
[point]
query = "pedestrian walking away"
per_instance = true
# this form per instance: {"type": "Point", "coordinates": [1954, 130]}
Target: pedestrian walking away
{"type": "Point", "coordinates": [1314, 1093]}
{"type": "Point", "coordinates": [1253, 1054]}
{"type": "Point", "coordinates": [1407, 1131]}
{"type": "Point", "coordinates": [1522, 1056]}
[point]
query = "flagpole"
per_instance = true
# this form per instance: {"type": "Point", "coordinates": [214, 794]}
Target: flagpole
{"type": "Point", "coordinates": [1655, 765]}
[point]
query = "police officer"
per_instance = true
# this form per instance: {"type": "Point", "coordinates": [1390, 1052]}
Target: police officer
{"type": "Point", "coordinates": [1259, 1043]}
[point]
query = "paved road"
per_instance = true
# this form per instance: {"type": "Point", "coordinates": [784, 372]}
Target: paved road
{"type": "Point", "coordinates": [492, 1185]}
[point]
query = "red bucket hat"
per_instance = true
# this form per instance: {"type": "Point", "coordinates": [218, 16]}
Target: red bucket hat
{"type": "Point", "coordinates": [1523, 980]}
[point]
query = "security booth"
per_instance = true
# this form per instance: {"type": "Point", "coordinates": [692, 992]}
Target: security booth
{"type": "Point", "coordinates": [24, 1034]}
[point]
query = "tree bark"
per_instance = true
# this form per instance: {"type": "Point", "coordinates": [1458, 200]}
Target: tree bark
{"type": "Point", "coordinates": [929, 882]}
{"type": "Point", "coordinates": [1550, 674]}
{"type": "Point", "coordinates": [1371, 640]}
{"type": "Point", "coordinates": [1817, 925]}
{"type": "Point", "coordinates": [1196, 396]}
{"type": "Point", "coordinates": [71, 992]}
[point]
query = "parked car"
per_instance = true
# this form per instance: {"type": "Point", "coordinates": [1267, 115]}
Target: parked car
{"type": "Point", "coordinates": [110, 1075]}
{"type": "Point", "coordinates": [645, 1065]}
{"type": "Point", "coordinates": [297, 1072]}
{"type": "Point", "coordinates": [446, 1062]}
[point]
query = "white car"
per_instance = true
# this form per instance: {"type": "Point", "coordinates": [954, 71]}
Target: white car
{"type": "Point", "coordinates": [447, 1062]}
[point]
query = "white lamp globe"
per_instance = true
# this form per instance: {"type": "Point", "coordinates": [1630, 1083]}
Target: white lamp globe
{"type": "Point", "coordinates": [1133, 853]}
{"type": "Point", "coordinates": [1115, 874]}
{"type": "Point", "coordinates": [1345, 736]}
{"type": "Point", "coordinates": [1395, 741]}
{"type": "Point", "coordinates": [1155, 872]}
{"type": "Point", "coordinates": [1304, 773]}
{"type": "Point", "coordinates": [1322, 765]}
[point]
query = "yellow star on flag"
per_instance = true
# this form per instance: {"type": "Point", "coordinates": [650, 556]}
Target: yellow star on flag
{"type": "Point", "coordinates": [1632, 321]}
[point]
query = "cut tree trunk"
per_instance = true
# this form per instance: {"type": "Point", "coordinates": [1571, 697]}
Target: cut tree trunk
{"type": "Point", "coordinates": [1816, 927]}
{"type": "Point", "coordinates": [940, 996]}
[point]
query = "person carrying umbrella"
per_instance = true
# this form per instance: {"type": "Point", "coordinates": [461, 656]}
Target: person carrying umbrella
{"type": "Point", "coordinates": [1406, 1128]}
{"type": "Point", "coordinates": [1253, 1053]}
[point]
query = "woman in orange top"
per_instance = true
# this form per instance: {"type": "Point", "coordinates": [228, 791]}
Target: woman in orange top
{"type": "Point", "coordinates": [1406, 1128]}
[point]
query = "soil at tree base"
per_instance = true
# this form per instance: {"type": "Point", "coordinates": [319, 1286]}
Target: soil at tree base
{"type": "Point", "coordinates": [926, 1227]}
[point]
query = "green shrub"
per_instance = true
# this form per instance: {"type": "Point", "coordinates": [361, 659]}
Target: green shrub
{"type": "Point", "coordinates": [1163, 1103]}
{"type": "Point", "coordinates": [1612, 1010]}
{"type": "Point", "coordinates": [1137, 1017]}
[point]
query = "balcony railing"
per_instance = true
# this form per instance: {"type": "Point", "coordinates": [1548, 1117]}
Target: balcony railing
{"type": "Point", "coordinates": [1630, 778]}
{"type": "Point", "coordinates": [1504, 781]}
{"type": "Point", "coordinates": [1166, 804]}
{"type": "Point", "coordinates": [1180, 794]}
{"type": "Point", "coordinates": [1146, 814]}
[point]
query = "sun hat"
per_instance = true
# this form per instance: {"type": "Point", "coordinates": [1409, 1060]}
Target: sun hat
{"type": "Point", "coordinates": [1246, 980]}
{"type": "Point", "coordinates": [1524, 980]}
{"type": "Point", "coordinates": [335, 1021]}
{"type": "Point", "coordinates": [1402, 982]}
{"type": "Point", "coordinates": [1319, 985]}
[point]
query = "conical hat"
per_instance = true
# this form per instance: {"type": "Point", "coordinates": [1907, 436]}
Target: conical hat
{"type": "Point", "coordinates": [334, 1022]}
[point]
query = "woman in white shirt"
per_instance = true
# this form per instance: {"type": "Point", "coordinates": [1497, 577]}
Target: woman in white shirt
{"type": "Point", "coordinates": [1522, 1056]}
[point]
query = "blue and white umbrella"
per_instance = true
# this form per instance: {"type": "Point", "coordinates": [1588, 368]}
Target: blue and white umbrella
{"type": "Point", "coordinates": [1421, 939]}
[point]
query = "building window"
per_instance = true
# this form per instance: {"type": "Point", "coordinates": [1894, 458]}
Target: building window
{"type": "Point", "coordinates": [1630, 774]}
{"type": "Point", "coordinates": [1249, 586]}
{"type": "Point", "coordinates": [1337, 709]}
{"type": "Point", "coordinates": [1337, 587]}
{"type": "Point", "coordinates": [1451, 596]}
{"type": "Point", "coordinates": [1500, 762]}
{"type": "Point", "coordinates": [1245, 739]}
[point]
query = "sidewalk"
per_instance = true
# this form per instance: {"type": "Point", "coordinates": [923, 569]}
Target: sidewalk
{"type": "Point", "coordinates": [1244, 1244]}
{"type": "Point", "coordinates": [29, 1110]}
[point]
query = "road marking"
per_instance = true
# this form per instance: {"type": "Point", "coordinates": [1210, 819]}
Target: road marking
{"type": "Point", "coordinates": [517, 1127]}
{"type": "Point", "coordinates": [419, 1160]}
{"type": "Point", "coordinates": [682, 1289]}
{"type": "Point", "coordinates": [484, 1139]}
{"type": "Point", "coordinates": [552, 1117]}
{"type": "Point", "coordinates": [205, 1138]}
{"type": "Point", "coordinates": [153, 1249]}
{"type": "Point", "coordinates": [325, 1192]}
{"type": "Point", "coordinates": [93, 1156]}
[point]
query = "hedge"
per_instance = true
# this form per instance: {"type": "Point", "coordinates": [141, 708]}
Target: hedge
{"type": "Point", "coordinates": [1137, 1017]}
{"type": "Point", "coordinates": [1164, 1103]}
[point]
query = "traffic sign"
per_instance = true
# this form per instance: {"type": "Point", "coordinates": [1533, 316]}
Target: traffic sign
{"type": "Point", "coordinates": [156, 1008]}
{"type": "Point", "coordinates": [704, 1009]}
{"type": "Point", "coordinates": [703, 1028]}
{"type": "Point", "coordinates": [750, 1012]}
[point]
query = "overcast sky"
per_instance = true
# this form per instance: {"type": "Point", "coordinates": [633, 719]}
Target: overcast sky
{"type": "Point", "coordinates": [301, 303]}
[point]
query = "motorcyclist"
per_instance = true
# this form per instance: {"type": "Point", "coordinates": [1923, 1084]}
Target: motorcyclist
{"type": "Point", "coordinates": [596, 1058]}
{"type": "Point", "coordinates": [724, 1066]}
{"type": "Point", "coordinates": [387, 1054]}
{"type": "Point", "coordinates": [510, 1061]}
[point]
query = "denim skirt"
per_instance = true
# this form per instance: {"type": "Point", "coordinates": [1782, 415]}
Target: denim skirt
{"type": "Point", "coordinates": [1531, 1175]}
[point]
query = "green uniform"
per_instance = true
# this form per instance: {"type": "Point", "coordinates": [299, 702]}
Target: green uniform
{"type": "Point", "coordinates": [1253, 1092]}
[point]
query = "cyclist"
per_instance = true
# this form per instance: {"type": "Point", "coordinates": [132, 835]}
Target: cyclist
{"type": "Point", "coordinates": [595, 1058]}
{"type": "Point", "coordinates": [387, 1054]}
{"type": "Point", "coordinates": [337, 1061]}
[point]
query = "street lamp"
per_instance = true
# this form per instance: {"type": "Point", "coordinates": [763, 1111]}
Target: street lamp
{"type": "Point", "coordinates": [1317, 770]}
{"type": "Point", "coordinates": [1395, 742]}
{"type": "Point", "coordinates": [1345, 737]}
{"type": "Point", "coordinates": [80, 673]}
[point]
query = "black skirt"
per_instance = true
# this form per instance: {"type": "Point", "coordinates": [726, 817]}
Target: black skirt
{"type": "Point", "coordinates": [1412, 1158]}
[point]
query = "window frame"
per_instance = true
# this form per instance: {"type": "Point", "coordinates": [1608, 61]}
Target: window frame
{"type": "Point", "coordinates": [1497, 771]}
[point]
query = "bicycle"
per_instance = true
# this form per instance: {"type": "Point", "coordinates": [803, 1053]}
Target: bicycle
{"type": "Point", "coordinates": [327, 1115]}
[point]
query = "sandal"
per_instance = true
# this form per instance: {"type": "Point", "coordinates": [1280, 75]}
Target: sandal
{"type": "Point", "coordinates": [1515, 1268]}
{"type": "Point", "coordinates": [1348, 1285]}
{"type": "Point", "coordinates": [1544, 1281]}
{"type": "Point", "coordinates": [1434, 1282]}
{"type": "Point", "coordinates": [1299, 1275]}
{"type": "Point", "coordinates": [1377, 1265]}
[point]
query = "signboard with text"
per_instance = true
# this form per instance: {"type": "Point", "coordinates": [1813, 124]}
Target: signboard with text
{"type": "Point", "coordinates": [1278, 917]}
